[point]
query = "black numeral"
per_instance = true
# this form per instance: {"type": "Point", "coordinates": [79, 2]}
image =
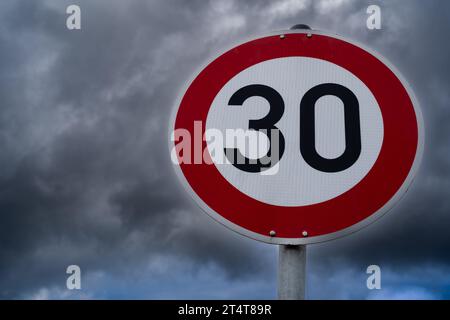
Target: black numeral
{"type": "Point", "coordinates": [266, 125]}
{"type": "Point", "coordinates": [352, 128]}
{"type": "Point", "coordinates": [307, 128]}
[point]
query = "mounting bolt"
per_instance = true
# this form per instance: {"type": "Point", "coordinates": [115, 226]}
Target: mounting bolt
{"type": "Point", "coordinates": [272, 233]}
{"type": "Point", "coordinates": [282, 36]}
{"type": "Point", "coordinates": [305, 233]}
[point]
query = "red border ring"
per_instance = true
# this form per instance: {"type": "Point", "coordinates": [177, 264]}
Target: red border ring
{"type": "Point", "coordinates": [375, 194]}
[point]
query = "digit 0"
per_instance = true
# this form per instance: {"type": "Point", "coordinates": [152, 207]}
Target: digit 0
{"type": "Point", "coordinates": [351, 122]}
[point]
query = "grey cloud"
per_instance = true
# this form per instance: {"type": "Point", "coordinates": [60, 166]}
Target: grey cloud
{"type": "Point", "coordinates": [84, 116]}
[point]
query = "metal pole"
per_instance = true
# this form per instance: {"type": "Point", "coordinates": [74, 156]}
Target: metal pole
{"type": "Point", "coordinates": [291, 272]}
{"type": "Point", "coordinates": [292, 258]}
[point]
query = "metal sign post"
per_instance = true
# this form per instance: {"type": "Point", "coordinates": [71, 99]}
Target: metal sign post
{"type": "Point", "coordinates": [291, 272]}
{"type": "Point", "coordinates": [292, 258]}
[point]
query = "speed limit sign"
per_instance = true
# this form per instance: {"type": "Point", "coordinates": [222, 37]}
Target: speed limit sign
{"type": "Point", "coordinates": [297, 138]}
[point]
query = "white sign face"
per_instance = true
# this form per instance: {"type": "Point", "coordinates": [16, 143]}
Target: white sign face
{"type": "Point", "coordinates": [293, 182]}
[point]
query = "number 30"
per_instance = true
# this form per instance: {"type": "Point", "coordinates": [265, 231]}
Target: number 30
{"type": "Point", "coordinates": [307, 126]}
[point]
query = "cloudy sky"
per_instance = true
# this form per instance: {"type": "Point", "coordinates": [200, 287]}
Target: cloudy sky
{"type": "Point", "coordinates": [85, 173]}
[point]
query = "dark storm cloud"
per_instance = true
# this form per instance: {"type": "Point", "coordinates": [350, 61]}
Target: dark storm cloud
{"type": "Point", "coordinates": [86, 176]}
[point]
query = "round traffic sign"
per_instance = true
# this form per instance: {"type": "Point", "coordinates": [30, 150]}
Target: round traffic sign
{"type": "Point", "coordinates": [297, 137]}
